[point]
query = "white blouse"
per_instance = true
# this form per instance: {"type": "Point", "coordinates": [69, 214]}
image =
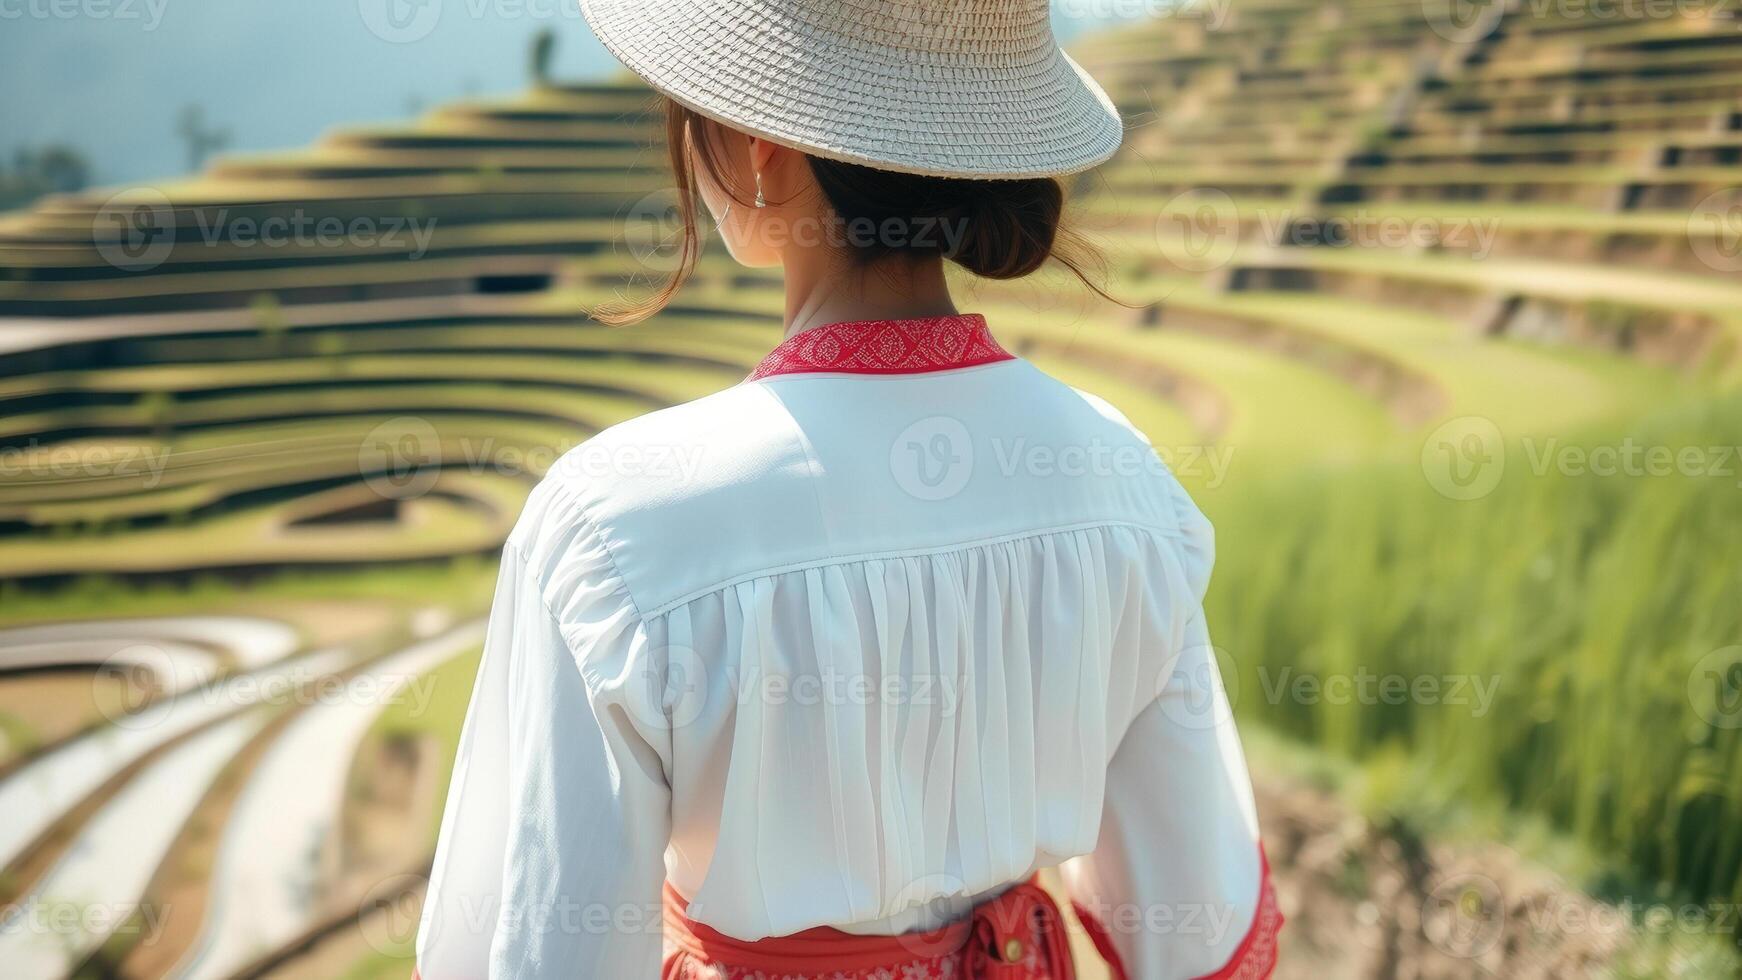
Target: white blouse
{"type": "Point", "coordinates": [857, 643]}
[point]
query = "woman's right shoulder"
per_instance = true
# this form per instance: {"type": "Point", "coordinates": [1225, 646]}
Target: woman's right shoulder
{"type": "Point", "coordinates": [659, 491]}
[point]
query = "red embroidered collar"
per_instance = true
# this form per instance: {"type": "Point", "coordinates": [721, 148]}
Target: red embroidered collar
{"type": "Point", "coordinates": [936, 343]}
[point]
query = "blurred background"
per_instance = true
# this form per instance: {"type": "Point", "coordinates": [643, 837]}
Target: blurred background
{"type": "Point", "coordinates": [1433, 304]}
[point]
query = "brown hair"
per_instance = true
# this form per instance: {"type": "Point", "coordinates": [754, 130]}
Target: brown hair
{"type": "Point", "coordinates": [997, 229]}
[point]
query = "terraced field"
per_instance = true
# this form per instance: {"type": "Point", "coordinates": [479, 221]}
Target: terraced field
{"type": "Point", "coordinates": [1342, 231]}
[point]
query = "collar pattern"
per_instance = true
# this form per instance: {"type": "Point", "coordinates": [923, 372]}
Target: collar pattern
{"type": "Point", "coordinates": [918, 346]}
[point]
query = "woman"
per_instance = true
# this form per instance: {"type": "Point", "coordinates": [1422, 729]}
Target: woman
{"type": "Point", "coordinates": [809, 678]}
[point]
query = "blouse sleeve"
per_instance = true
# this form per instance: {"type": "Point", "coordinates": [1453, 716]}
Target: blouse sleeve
{"type": "Point", "coordinates": [1177, 885]}
{"type": "Point", "coordinates": [550, 859]}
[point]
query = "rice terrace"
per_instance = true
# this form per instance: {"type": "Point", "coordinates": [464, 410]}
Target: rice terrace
{"type": "Point", "coordinates": [1434, 307]}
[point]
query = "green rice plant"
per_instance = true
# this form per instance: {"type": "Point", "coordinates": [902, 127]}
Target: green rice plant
{"type": "Point", "coordinates": [1568, 644]}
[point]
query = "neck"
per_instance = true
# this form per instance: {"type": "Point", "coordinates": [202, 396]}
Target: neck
{"type": "Point", "coordinates": [822, 289]}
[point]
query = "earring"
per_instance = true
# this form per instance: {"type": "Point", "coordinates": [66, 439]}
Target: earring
{"type": "Point", "coordinates": [761, 201]}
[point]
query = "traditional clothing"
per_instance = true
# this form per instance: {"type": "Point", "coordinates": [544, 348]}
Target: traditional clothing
{"type": "Point", "coordinates": [843, 655]}
{"type": "Point", "coordinates": [1020, 935]}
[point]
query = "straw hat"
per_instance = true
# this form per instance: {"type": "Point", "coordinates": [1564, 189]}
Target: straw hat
{"type": "Point", "coordinates": [946, 88]}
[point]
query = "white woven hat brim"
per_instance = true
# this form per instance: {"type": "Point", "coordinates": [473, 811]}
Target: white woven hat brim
{"type": "Point", "coordinates": [892, 84]}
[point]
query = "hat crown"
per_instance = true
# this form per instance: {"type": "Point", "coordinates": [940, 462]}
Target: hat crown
{"type": "Point", "coordinates": [944, 88]}
{"type": "Point", "coordinates": [963, 28]}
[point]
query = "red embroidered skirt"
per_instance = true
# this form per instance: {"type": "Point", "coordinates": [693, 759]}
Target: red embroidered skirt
{"type": "Point", "coordinates": [1020, 935]}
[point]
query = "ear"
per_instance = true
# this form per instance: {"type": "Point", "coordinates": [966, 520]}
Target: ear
{"type": "Point", "coordinates": [765, 154]}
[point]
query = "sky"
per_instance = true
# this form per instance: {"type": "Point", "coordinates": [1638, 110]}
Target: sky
{"type": "Point", "coordinates": [111, 77]}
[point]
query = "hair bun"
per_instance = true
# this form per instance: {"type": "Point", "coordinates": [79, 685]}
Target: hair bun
{"type": "Point", "coordinates": [1009, 227]}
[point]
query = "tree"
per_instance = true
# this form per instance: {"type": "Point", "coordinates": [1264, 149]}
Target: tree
{"type": "Point", "coordinates": [543, 47]}
{"type": "Point", "coordinates": [52, 169]}
{"type": "Point", "coordinates": [201, 139]}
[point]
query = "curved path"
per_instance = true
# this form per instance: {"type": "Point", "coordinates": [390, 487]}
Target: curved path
{"type": "Point", "coordinates": [265, 884]}
{"type": "Point", "coordinates": [173, 666]}
{"type": "Point", "coordinates": [96, 886]}
{"type": "Point", "coordinates": [249, 641]}
{"type": "Point", "coordinates": [46, 787]}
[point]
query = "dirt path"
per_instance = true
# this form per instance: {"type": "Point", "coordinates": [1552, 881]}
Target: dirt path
{"type": "Point", "coordinates": [1364, 903]}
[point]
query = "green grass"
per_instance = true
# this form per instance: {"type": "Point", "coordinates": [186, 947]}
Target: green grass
{"type": "Point", "coordinates": [1520, 386]}
{"type": "Point", "coordinates": [450, 687]}
{"type": "Point", "coordinates": [431, 526]}
{"type": "Point", "coordinates": [462, 584]}
{"type": "Point", "coordinates": [1591, 607]}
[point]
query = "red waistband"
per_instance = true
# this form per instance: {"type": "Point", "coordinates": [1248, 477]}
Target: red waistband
{"type": "Point", "coordinates": [1008, 936]}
